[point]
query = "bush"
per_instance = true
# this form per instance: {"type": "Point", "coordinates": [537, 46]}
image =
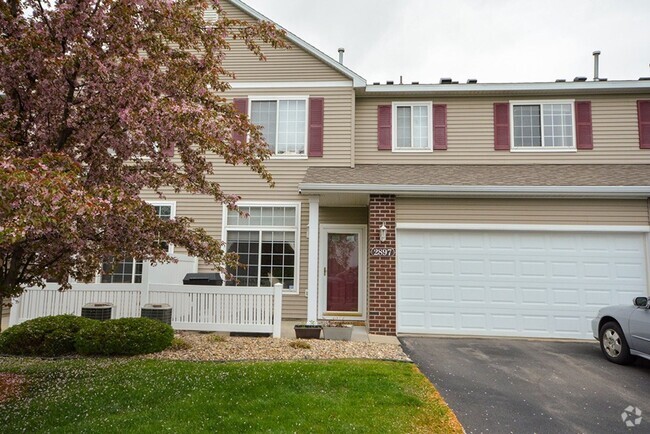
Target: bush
{"type": "Point", "coordinates": [124, 337]}
{"type": "Point", "coordinates": [180, 344]}
{"type": "Point", "coordinates": [47, 336]}
{"type": "Point", "coordinates": [300, 345]}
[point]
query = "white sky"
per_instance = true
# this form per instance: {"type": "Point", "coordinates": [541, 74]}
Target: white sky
{"type": "Point", "coordinates": [493, 41]}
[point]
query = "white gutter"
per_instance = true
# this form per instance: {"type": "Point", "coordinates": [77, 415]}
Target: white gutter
{"type": "Point", "coordinates": [358, 80]}
{"type": "Point", "coordinates": [479, 190]}
{"type": "Point", "coordinates": [632, 85]}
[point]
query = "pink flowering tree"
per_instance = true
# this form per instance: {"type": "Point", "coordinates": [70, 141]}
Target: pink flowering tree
{"type": "Point", "coordinates": [100, 100]}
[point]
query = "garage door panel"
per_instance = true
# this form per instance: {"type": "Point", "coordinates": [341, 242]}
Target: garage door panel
{"type": "Point", "coordinates": [514, 283]}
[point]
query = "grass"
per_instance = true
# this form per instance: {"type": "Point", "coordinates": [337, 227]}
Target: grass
{"type": "Point", "coordinates": [150, 396]}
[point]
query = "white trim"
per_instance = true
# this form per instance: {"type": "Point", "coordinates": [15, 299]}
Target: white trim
{"type": "Point", "coordinates": [429, 106]}
{"type": "Point", "coordinates": [356, 78]}
{"type": "Point", "coordinates": [541, 104]}
{"type": "Point", "coordinates": [361, 230]}
{"type": "Point", "coordinates": [172, 203]}
{"type": "Point", "coordinates": [297, 229]}
{"type": "Point", "coordinates": [521, 227]}
{"type": "Point", "coordinates": [287, 84]}
{"type": "Point", "coordinates": [614, 85]}
{"type": "Point", "coordinates": [277, 99]}
{"type": "Point", "coordinates": [312, 268]}
{"type": "Point", "coordinates": [633, 191]}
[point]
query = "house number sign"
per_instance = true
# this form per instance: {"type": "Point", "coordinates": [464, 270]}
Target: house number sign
{"type": "Point", "coordinates": [382, 251]}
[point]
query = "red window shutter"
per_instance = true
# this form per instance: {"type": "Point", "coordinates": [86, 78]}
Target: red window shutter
{"type": "Point", "coordinates": [440, 127]}
{"type": "Point", "coordinates": [502, 126]}
{"type": "Point", "coordinates": [584, 133]}
{"type": "Point", "coordinates": [384, 127]}
{"type": "Point", "coordinates": [241, 105]}
{"type": "Point", "coordinates": [316, 121]}
{"type": "Point", "coordinates": [643, 112]}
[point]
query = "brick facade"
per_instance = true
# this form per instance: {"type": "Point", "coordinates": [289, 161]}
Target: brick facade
{"type": "Point", "coordinates": [382, 309]}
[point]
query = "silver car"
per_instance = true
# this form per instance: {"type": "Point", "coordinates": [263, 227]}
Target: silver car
{"type": "Point", "coordinates": [624, 331]}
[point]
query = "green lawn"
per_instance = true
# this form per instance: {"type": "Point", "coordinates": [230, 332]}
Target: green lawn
{"type": "Point", "coordinates": [117, 396]}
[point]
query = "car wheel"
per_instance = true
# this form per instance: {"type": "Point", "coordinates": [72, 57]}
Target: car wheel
{"type": "Point", "coordinates": [614, 345]}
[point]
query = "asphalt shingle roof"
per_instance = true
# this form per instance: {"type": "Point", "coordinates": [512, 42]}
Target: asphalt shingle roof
{"type": "Point", "coordinates": [483, 175]}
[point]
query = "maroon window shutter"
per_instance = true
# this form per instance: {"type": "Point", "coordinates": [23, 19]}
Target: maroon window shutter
{"type": "Point", "coordinates": [501, 126]}
{"type": "Point", "coordinates": [643, 112]}
{"type": "Point", "coordinates": [316, 121]}
{"type": "Point", "coordinates": [584, 132]}
{"type": "Point", "coordinates": [384, 127]}
{"type": "Point", "coordinates": [440, 127]}
{"type": "Point", "coordinates": [241, 105]}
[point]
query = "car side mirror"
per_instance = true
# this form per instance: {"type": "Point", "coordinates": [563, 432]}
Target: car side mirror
{"type": "Point", "coordinates": [641, 301]}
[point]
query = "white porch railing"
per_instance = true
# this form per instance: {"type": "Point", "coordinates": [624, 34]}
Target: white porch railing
{"type": "Point", "coordinates": [202, 308]}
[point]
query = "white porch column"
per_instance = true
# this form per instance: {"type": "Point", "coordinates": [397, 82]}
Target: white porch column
{"type": "Point", "coordinates": [312, 275]}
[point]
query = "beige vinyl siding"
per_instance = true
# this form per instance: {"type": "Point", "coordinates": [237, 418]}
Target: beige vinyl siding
{"type": "Point", "coordinates": [287, 174]}
{"type": "Point", "coordinates": [343, 216]}
{"type": "Point", "coordinates": [523, 211]}
{"type": "Point", "coordinates": [337, 129]}
{"type": "Point", "coordinates": [471, 134]}
{"type": "Point", "coordinates": [294, 64]}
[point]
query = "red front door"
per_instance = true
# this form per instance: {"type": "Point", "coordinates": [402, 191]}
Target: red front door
{"type": "Point", "coordinates": [342, 272]}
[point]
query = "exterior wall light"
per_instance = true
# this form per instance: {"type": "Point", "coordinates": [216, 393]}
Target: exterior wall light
{"type": "Point", "coordinates": [382, 232]}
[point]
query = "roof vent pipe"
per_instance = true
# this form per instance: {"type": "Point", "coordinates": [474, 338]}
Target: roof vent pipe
{"type": "Point", "coordinates": [341, 51]}
{"type": "Point", "coordinates": [596, 55]}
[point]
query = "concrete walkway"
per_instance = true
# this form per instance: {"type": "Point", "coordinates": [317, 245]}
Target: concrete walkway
{"type": "Point", "coordinates": [359, 334]}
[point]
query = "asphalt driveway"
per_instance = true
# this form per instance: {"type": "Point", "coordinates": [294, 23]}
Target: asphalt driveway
{"type": "Point", "coordinates": [521, 386]}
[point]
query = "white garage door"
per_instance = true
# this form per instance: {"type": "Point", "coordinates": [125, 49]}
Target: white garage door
{"type": "Point", "coordinates": [536, 284]}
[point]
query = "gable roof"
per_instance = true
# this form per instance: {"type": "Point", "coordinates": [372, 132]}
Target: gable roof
{"type": "Point", "coordinates": [357, 80]}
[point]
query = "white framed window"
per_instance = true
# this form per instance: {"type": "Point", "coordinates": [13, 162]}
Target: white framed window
{"type": "Point", "coordinates": [542, 125]}
{"type": "Point", "coordinates": [267, 241]}
{"type": "Point", "coordinates": [284, 124]}
{"type": "Point", "coordinates": [129, 270]}
{"type": "Point", "coordinates": [412, 126]}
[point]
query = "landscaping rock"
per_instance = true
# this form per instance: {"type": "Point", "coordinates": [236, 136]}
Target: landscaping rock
{"type": "Point", "coordinates": [205, 347]}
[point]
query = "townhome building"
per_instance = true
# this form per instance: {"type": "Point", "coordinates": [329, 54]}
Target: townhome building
{"type": "Point", "coordinates": [507, 209]}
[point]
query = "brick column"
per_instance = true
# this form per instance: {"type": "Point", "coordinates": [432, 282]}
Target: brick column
{"type": "Point", "coordinates": [381, 269]}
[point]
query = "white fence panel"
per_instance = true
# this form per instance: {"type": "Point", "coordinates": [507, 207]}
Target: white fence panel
{"type": "Point", "coordinates": [220, 308]}
{"type": "Point", "coordinates": [207, 308]}
{"type": "Point", "coordinates": [37, 302]}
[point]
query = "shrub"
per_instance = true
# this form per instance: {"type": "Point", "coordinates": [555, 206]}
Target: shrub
{"type": "Point", "coordinates": [217, 338]}
{"type": "Point", "coordinates": [300, 345]}
{"type": "Point", "coordinates": [124, 337]}
{"type": "Point", "coordinates": [180, 344]}
{"type": "Point", "coordinates": [47, 336]}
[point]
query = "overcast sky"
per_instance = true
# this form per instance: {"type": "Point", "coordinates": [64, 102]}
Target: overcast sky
{"type": "Point", "coordinates": [493, 41]}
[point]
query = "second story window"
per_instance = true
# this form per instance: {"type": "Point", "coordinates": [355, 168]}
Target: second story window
{"type": "Point", "coordinates": [284, 124]}
{"type": "Point", "coordinates": [413, 131]}
{"type": "Point", "coordinates": [543, 125]}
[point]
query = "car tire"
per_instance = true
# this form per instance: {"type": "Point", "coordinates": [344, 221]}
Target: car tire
{"type": "Point", "coordinates": [614, 345]}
